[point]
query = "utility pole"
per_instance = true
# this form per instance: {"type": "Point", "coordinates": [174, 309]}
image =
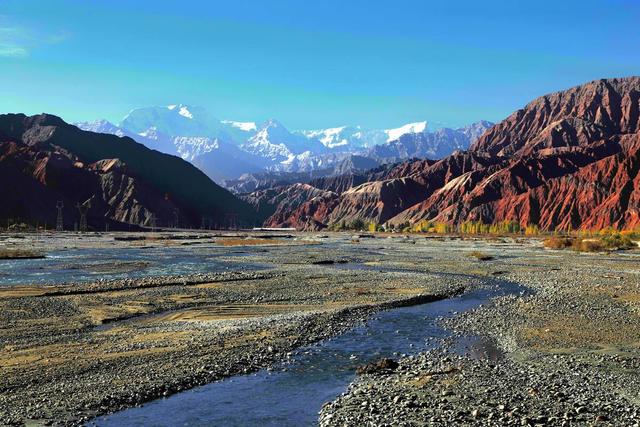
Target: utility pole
{"type": "Point", "coordinates": [176, 213]}
{"type": "Point", "coordinates": [59, 221]}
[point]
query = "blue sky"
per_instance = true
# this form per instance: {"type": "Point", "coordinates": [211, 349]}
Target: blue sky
{"type": "Point", "coordinates": [310, 64]}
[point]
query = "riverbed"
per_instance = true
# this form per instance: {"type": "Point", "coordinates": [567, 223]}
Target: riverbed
{"type": "Point", "coordinates": [271, 333]}
{"type": "Point", "coordinates": [292, 393]}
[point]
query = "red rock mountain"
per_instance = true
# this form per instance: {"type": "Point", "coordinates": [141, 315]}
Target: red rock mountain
{"type": "Point", "coordinates": [44, 160]}
{"type": "Point", "coordinates": [566, 160]}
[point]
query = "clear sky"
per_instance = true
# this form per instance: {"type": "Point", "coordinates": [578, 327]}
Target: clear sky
{"type": "Point", "coordinates": [310, 64]}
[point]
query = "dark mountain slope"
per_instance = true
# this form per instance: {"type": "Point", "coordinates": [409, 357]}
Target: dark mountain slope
{"type": "Point", "coordinates": [127, 181]}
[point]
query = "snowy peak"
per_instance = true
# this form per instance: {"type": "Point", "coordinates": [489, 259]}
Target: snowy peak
{"type": "Point", "coordinates": [271, 141]}
{"type": "Point", "coordinates": [224, 147]}
{"type": "Point", "coordinates": [275, 142]}
{"type": "Point", "coordinates": [184, 112]}
{"type": "Point", "coordinates": [274, 129]}
{"type": "Point", "coordinates": [425, 144]}
{"type": "Point", "coordinates": [337, 137]}
{"type": "Point", "coordinates": [174, 120]}
{"type": "Point", "coordinates": [393, 134]}
{"type": "Point", "coordinates": [349, 138]}
{"type": "Point", "coordinates": [243, 126]}
{"type": "Point", "coordinates": [182, 109]}
{"type": "Point", "coordinates": [101, 126]}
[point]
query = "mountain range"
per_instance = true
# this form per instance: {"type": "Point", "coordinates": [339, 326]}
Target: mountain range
{"type": "Point", "coordinates": [44, 161]}
{"type": "Point", "coordinates": [228, 150]}
{"type": "Point", "coordinates": [567, 160]}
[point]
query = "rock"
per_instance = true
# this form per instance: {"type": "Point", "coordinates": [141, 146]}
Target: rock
{"type": "Point", "coordinates": [381, 366]}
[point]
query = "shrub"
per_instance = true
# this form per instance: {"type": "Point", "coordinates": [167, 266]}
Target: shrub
{"type": "Point", "coordinates": [631, 234]}
{"type": "Point", "coordinates": [590, 245]}
{"type": "Point", "coordinates": [617, 241]}
{"type": "Point", "coordinates": [556, 242]}
{"type": "Point", "coordinates": [358, 225]}
{"type": "Point", "coordinates": [532, 230]}
{"type": "Point", "coordinates": [480, 256]}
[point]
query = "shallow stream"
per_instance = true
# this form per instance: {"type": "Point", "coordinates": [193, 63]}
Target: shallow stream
{"type": "Point", "coordinates": [293, 393]}
{"type": "Point", "coordinates": [87, 264]}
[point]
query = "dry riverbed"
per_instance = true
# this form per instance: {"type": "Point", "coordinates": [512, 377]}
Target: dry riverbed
{"type": "Point", "coordinates": [568, 353]}
{"type": "Point", "coordinates": [72, 351]}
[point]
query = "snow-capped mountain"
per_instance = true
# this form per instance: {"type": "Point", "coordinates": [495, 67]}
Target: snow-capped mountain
{"type": "Point", "coordinates": [343, 138]}
{"type": "Point", "coordinates": [225, 149]}
{"type": "Point", "coordinates": [216, 157]}
{"type": "Point", "coordinates": [352, 138]}
{"type": "Point", "coordinates": [274, 142]}
{"type": "Point", "coordinates": [150, 138]}
{"type": "Point", "coordinates": [174, 120]}
{"type": "Point", "coordinates": [425, 144]}
{"type": "Point", "coordinates": [243, 126]}
{"type": "Point", "coordinates": [411, 128]}
{"type": "Point", "coordinates": [103, 126]}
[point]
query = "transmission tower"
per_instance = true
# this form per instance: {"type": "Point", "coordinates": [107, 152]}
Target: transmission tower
{"type": "Point", "coordinates": [176, 213]}
{"type": "Point", "coordinates": [59, 222]}
{"type": "Point", "coordinates": [83, 209]}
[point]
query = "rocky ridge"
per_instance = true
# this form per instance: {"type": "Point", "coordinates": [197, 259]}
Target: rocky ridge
{"type": "Point", "coordinates": [566, 160]}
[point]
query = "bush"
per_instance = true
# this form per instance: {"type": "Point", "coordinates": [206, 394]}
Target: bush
{"type": "Point", "coordinates": [617, 241]}
{"type": "Point", "coordinates": [631, 234]}
{"type": "Point", "coordinates": [556, 242]}
{"type": "Point", "coordinates": [532, 230]}
{"type": "Point", "coordinates": [480, 256]}
{"type": "Point", "coordinates": [587, 245]}
{"type": "Point", "coordinates": [608, 241]}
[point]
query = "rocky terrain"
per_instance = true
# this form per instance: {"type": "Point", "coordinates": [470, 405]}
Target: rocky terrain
{"type": "Point", "coordinates": [72, 351]}
{"type": "Point", "coordinates": [565, 353]}
{"type": "Point", "coordinates": [563, 348]}
{"type": "Point", "coordinates": [125, 183]}
{"type": "Point", "coordinates": [279, 202]}
{"type": "Point", "coordinates": [567, 160]}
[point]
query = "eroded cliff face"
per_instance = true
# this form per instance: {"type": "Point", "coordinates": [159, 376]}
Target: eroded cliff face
{"type": "Point", "coordinates": [575, 117]}
{"type": "Point", "coordinates": [566, 160]}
